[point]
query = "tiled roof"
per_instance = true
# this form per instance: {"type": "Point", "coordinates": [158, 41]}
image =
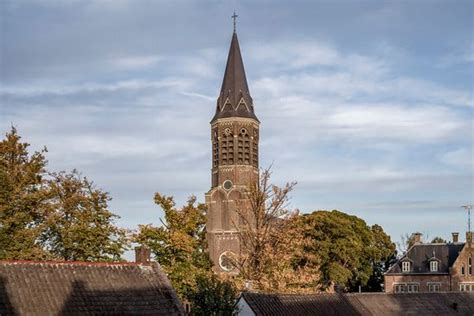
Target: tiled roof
{"type": "Point", "coordinates": [290, 304]}
{"type": "Point", "coordinates": [55, 288]}
{"type": "Point", "coordinates": [234, 87]}
{"type": "Point", "coordinates": [361, 304]}
{"type": "Point", "coordinates": [420, 254]}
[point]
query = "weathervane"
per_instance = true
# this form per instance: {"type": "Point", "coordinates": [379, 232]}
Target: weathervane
{"type": "Point", "coordinates": [235, 20]}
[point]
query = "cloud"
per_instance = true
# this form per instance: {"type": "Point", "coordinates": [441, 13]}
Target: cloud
{"type": "Point", "coordinates": [461, 158]}
{"type": "Point", "coordinates": [127, 97]}
{"type": "Point", "coordinates": [58, 88]}
{"type": "Point", "coordinates": [135, 62]}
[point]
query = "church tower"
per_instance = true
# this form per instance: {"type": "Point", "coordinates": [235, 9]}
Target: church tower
{"type": "Point", "coordinates": [234, 138]}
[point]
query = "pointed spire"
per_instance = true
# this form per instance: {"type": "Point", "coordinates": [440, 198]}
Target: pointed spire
{"type": "Point", "coordinates": [234, 99]}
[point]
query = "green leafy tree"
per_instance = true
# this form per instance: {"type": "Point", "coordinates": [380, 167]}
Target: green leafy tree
{"type": "Point", "coordinates": [213, 296]}
{"type": "Point", "coordinates": [51, 215]}
{"type": "Point", "coordinates": [23, 199]}
{"type": "Point", "coordinates": [438, 240]}
{"type": "Point", "coordinates": [80, 225]}
{"type": "Point", "coordinates": [347, 249]}
{"type": "Point", "coordinates": [179, 244]}
{"type": "Point", "coordinates": [383, 255]}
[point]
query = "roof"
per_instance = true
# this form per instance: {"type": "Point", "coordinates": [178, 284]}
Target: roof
{"type": "Point", "coordinates": [234, 98]}
{"type": "Point", "coordinates": [52, 288]}
{"type": "Point", "coordinates": [421, 254]}
{"type": "Point", "coordinates": [361, 304]}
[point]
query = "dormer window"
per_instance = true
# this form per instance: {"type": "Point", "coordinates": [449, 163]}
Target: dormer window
{"type": "Point", "coordinates": [406, 266]}
{"type": "Point", "coordinates": [434, 266]}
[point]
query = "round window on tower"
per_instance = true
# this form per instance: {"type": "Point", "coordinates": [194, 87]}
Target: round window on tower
{"type": "Point", "coordinates": [227, 261]}
{"type": "Point", "coordinates": [227, 131]}
{"type": "Point", "coordinates": [227, 184]}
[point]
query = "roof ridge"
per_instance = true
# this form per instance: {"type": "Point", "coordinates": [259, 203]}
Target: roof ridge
{"type": "Point", "coordinates": [79, 263]}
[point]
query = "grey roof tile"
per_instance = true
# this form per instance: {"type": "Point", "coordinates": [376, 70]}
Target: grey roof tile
{"type": "Point", "coordinates": [50, 288]}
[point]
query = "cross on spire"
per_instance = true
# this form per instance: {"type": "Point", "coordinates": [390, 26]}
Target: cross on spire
{"type": "Point", "coordinates": [235, 20]}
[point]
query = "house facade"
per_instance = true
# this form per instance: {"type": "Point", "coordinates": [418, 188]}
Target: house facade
{"type": "Point", "coordinates": [433, 267]}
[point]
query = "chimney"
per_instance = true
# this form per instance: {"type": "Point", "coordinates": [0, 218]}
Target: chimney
{"type": "Point", "coordinates": [455, 237]}
{"type": "Point", "coordinates": [469, 237]}
{"type": "Point", "coordinates": [417, 238]}
{"type": "Point", "coordinates": [142, 255]}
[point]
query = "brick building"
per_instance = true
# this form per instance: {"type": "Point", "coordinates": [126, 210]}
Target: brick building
{"type": "Point", "coordinates": [433, 267]}
{"type": "Point", "coordinates": [234, 138]}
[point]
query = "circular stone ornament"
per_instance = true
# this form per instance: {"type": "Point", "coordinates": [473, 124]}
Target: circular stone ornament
{"type": "Point", "coordinates": [227, 184]}
{"type": "Point", "coordinates": [227, 261]}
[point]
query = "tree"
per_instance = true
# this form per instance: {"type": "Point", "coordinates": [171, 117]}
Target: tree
{"type": "Point", "coordinates": [80, 226]}
{"type": "Point", "coordinates": [347, 249]}
{"type": "Point", "coordinates": [382, 257]}
{"type": "Point", "coordinates": [23, 199]}
{"type": "Point", "coordinates": [213, 296]}
{"type": "Point", "coordinates": [438, 240]}
{"type": "Point", "coordinates": [179, 244]}
{"type": "Point", "coordinates": [51, 215]}
{"type": "Point", "coordinates": [270, 241]}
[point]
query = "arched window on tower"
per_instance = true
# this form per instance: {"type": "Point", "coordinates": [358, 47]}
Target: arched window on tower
{"type": "Point", "coordinates": [243, 149]}
{"type": "Point", "coordinates": [227, 148]}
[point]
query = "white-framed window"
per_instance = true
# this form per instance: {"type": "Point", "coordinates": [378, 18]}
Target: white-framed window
{"type": "Point", "coordinates": [434, 266]}
{"type": "Point", "coordinates": [466, 287]}
{"type": "Point", "coordinates": [399, 287]}
{"type": "Point", "coordinates": [434, 286]}
{"type": "Point", "coordinates": [406, 266]}
{"type": "Point", "coordinates": [413, 287]}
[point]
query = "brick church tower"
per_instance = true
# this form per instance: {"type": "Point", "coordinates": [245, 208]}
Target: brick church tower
{"type": "Point", "coordinates": [234, 137]}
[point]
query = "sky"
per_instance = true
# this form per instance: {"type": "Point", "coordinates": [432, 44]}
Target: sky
{"type": "Point", "coordinates": [368, 105]}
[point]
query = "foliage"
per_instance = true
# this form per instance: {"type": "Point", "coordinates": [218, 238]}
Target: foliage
{"type": "Point", "coordinates": [51, 215]}
{"type": "Point", "coordinates": [213, 296]}
{"type": "Point", "coordinates": [438, 240]}
{"type": "Point", "coordinates": [23, 199]}
{"type": "Point", "coordinates": [80, 225]}
{"type": "Point", "coordinates": [270, 241]}
{"type": "Point", "coordinates": [179, 244]}
{"type": "Point", "coordinates": [348, 251]}
{"type": "Point", "coordinates": [385, 256]}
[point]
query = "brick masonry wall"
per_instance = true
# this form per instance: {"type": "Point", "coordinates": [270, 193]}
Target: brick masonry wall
{"type": "Point", "coordinates": [462, 259]}
{"type": "Point", "coordinates": [422, 280]}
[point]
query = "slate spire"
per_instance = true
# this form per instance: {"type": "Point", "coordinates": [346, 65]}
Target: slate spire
{"type": "Point", "coordinates": [234, 99]}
